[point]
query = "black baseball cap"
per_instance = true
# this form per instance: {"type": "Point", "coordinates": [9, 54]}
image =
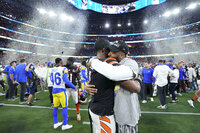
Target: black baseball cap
{"type": "Point", "coordinates": [119, 46]}
{"type": "Point", "coordinates": [101, 43]}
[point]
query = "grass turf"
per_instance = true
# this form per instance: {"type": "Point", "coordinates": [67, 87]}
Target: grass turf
{"type": "Point", "coordinates": [33, 120]}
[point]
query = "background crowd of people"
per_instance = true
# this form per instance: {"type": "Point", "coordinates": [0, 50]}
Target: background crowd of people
{"type": "Point", "coordinates": [179, 79]}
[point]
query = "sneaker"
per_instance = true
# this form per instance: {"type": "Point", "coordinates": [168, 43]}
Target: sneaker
{"type": "Point", "coordinates": [46, 90]}
{"type": "Point", "coordinates": [57, 125]}
{"type": "Point", "coordinates": [152, 100]}
{"type": "Point", "coordinates": [65, 127]}
{"type": "Point", "coordinates": [22, 102]}
{"type": "Point", "coordinates": [162, 107]}
{"type": "Point", "coordinates": [1, 94]}
{"type": "Point", "coordinates": [11, 99]}
{"type": "Point", "coordinates": [190, 90]}
{"type": "Point", "coordinates": [191, 103]}
{"type": "Point", "coordinates": [172, 102]}
{"type": "Point", "coordinates": [176, 99]}
{"type": "Point", "coordinates": [167, 96]}
{"type": "Point", "coordinates": [78, 117]}
{"type": "Point", "coordinates": [29, 104]}
{"type": "Point", "coordinates": [198, 99]}
{"type": "Point", "coordinates": [170, 95]}
{"type": "Point", "coordinates": [35, 100]}
{"type": "Point", "coordinates": [15, 98]}
{"type": "Point", "coordinates": [179, 94]}
{"type": "Point", "coordinates": [144, 101]}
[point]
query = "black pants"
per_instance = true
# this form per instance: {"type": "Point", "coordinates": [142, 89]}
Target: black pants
{"type": "Point", "coordinates": [172, 88]}
{"type": "Point", "coordinates": [2, 84]}
{"type": "Point", "coordinates": [141, 93]}
{"type": "Point", "coordinates": [23, 86]}
{"type": "Point", "coordinates": [50, 94]}
{"type": "Point", "coordinates": [179, 85]}
{"type": "Point", "coordinates": [182, 84]}
{"type": "Point", "coordinates": [146, 87]}
{"type": "Point", "coordinates": [162, 94]}
{"type": "Point", "coordinates": [167, 89]}
{"type": "Point", "coordinates": [12, 89]}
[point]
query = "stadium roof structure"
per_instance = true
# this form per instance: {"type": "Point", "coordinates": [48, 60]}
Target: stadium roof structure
{"type": "Point", "coordinates": [136, 18]}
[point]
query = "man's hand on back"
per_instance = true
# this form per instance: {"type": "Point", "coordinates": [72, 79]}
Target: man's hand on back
{"type": "Point", "coordinates": [90, 89]}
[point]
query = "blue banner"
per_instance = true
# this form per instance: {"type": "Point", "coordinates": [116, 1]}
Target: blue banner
{"type": "Point", "coordinates": [113, 9]}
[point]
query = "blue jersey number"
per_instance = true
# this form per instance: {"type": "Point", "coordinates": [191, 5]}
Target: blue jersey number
{"type": "Point", "coordinates": [55, 79]}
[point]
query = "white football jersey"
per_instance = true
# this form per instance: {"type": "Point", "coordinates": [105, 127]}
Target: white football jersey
{"type": "Point", "coordinates": [56, 76]}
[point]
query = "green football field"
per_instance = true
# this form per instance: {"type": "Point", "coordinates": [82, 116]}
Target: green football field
{"type": "Point", "coordinates": [24, 119]}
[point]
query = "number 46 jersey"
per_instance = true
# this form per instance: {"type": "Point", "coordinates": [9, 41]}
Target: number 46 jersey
{"type": "Point", "coordinates": [59, 77]}
{"type": "Point", "coordinates": [56, 76]}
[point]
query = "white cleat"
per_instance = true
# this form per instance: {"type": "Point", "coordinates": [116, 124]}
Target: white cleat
{"type": "Point", "coordinates": [65, 127]}
{"type": "Point", "coordinates": [144, 101]}
{"type": "Point", "coordinates": [57, 125]}
{"type": "Point", "coordinates": [152, 100]}
{"type": "Point", "coordinates": [191, 103]}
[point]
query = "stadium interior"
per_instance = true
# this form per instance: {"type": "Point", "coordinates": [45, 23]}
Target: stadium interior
{"type": "Point", "coordinates": [43, 30]}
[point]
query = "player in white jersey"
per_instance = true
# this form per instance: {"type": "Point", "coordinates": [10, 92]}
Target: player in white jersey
{"type": "Point", "coordinates": [59, 77]}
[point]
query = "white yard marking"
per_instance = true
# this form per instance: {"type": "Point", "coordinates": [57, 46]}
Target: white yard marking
{"type": "Point", "coordinates": [143, 112]}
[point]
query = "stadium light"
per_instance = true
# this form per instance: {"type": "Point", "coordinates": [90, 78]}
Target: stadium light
{"type": "Point", "coordinates": [192, 6]}
{"type": "Point", "coordinates": [42, 11]}
{"type": "Point", "coordinates": [71, 19]}
{"type": "Point", "coordinates": [129, 24]}
{"type": "Point", "coordinates": [66, 17]}
{"type": "Point", "coordinates": [52, 14]}
{"type": "Point", "coordinates": [63, 17]}
{"type": "Point", "coordinates": [119, 25]}
{"type": "Point", "coordinates": [176, 11]}
{"type": "Point", "coordinates": [167, 14]}
{"type": "Point", "coordinates": [145, 21]}
{"type": "Point", "coordinates": [107, 25]}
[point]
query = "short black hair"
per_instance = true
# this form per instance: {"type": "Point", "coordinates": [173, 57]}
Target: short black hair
{"type": "Point", "coordinates": [83, 63]}
{"type": "Point", "coordinates": [71, 59]}
{"type": "Point", "coordinates": [100, 44]}
{"type": "Point", "coordinates": [11, 63]}
{"type": "Point", "coordinates": [164, 61]}
{"type": "Point", "coordinates": [57, 60]}
{"type": "Point", "coordinates": [160, 61]}
{"type": "Point", "coordinates": [22, 60]}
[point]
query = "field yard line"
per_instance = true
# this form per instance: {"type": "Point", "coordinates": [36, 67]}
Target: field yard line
{"type": "Point", "coordinates": [86, 123]}
{"type": "Point", "coordinates": [143, 112]}
{"type": "Point", "coordinates": [169, 113]}
{"type": "Point", "coordinates": [39, 107]}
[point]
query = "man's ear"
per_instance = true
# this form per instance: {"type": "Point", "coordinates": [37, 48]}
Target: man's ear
{"type": "Point", "coordinates": [103, 50]}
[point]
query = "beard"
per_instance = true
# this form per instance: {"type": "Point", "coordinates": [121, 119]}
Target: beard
{"type": "Point", "coordinates": [118, 60]}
